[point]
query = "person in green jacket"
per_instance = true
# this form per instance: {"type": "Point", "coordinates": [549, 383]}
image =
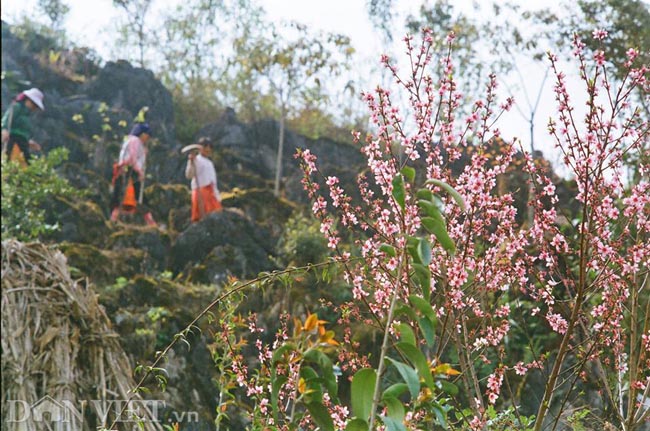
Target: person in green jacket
{"type": "Point", "coordinates": [17, 142]}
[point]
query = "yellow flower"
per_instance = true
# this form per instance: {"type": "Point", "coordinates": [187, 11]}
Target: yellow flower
{"type": "Point", "coordinates": [326, 337]}
{"type": "Point", "coordinates": [311, 323]}
{"type": "Point", "coordinates": [297, 330]}
{"type": "Point", "coordinates": [445, 369]}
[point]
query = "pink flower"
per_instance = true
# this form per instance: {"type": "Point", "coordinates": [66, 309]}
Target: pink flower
{"type": "Point", "coordinates": [599, 34]}
{"type": "Point", "coordinates": [520, 369]}
{"type": "Point", "coordinates": [557, 322]}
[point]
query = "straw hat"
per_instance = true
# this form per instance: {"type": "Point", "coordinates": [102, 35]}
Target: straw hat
{"type": "Point", "coordinates": [191, 147]}
{"type": "Point", "coordinates": [36, 96]}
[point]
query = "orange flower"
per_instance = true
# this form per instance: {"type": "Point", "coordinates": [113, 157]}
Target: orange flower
{"type": "Point", "coordinates": [445, 369]}
{"type": "Point", "coordinates": [311, 323]}
{"type": "Point", "coordinates": [297, 330]}
{"type": "Point", "coordinates": [326, 337]}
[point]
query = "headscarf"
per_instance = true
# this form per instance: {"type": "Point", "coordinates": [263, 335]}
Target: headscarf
{"type": "Point", "coordinates": [140, 128]}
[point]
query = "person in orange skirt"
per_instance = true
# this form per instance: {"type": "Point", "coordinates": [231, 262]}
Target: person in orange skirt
{"type": "Point", "coordinates": [129, 173]}
{"type": "Point", "coordinates": [206, 198]}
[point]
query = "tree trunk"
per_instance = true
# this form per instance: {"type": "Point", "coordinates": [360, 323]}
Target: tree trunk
{"type": "Point", "coordinates": [278, 162]}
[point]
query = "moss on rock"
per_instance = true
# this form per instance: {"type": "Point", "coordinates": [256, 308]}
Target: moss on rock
{"type": "Point", "coordinates": [164, 198]}
{"type": "Point", "coordinates": [103, 266]}
{"type": "Point", "coordinates": [79, 221]}
{"type": "Point", "coordinates": [154, 242]}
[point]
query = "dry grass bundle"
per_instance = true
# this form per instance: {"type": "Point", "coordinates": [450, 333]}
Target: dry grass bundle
{"type": "Point", "coordinates": [61, 361]}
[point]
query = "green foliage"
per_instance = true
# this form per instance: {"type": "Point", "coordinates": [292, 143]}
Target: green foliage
{"type": "Point", "coordinates": [626, 21]}
{"type": "Point", "coordinates": [302, 243]}
{"type": "Point", "coordinates": [134, 28]}
{"type": "Point", "coordinates": [189, 45]}
{"type": "Point", "coordinates": [193, 110]}
{"type": "Point", "coordinates": [26, 190]}
{"type": "Point", "coordinates": [508, 419]}
{"type": "Point", "coordinates": [442, 18]}
{"type": "Point", "coordinates": [55, 10]}
{"type": "Point", "coordinates": [39, 38]}
{"type": "Point", "coordinates": [363, 388]}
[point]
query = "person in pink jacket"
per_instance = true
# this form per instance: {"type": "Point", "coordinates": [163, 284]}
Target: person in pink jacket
{"type": "Point", "coordinates": [131, 166]}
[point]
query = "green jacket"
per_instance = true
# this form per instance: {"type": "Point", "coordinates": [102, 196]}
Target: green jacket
{"type": "Point", "coordinates": [21, 125]}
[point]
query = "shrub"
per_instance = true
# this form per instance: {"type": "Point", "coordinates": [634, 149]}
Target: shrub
{"type": "Point", "coordinates": [26, 190]}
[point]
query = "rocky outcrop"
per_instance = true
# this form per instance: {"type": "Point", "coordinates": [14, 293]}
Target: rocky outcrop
{"type": "Point", "coordinates": [246, 156]}
{"type": "Point", "coordinates": [221, 244]}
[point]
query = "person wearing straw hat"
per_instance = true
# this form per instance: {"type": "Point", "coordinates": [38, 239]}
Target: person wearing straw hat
{"type": "Point", "coordinates": [129, 173]}
{"type": "Point", "coordinates": [17, 142]}
{"type": "Point", "coordinates": [200, 169]}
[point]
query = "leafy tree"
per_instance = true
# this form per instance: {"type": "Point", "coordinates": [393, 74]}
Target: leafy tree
{"type": "Point", "coordinates": [55, 10]}
{"type": "Point", "coordinates": [136, 12]}
{"type": "Point", "coordinates": [291, 67]}
{"type": "Point", "coordinates": [26, 190]}
{"type": "Point", "coordinates": [193, 65]}
{"type": "Point", "coordinates": [240, 87]}
{"type": "Point", "coordinates": [627, 23]}
{"type": "Point", "coordinates": [381, 15]}
{"type": "Point", "coordinates": [190, 44]}
{"type": "Point", "coordinates": [441, 18]}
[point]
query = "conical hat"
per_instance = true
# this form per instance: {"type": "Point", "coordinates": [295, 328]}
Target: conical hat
{"type": "Point", "coordinates": [190, 147]}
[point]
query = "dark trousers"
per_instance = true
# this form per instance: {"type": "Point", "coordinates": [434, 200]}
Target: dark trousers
{"type": "Point", "coordinates": [119, 188]}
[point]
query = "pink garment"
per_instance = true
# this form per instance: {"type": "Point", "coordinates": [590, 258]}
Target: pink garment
{"type": "Point", "coordinates": [133, 154]}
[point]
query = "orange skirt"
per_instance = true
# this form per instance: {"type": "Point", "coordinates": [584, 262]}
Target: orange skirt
{"type": "Point", "coordinates": [18, 156]}
{"type": "Point", "coordinates": [204, 202]}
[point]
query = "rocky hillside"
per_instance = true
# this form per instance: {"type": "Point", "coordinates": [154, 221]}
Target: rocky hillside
{"type": "Point", "coordinates": [152, 281]}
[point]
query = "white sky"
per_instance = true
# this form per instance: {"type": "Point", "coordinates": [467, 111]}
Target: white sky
{"type": "Point", "coordinates": [91, 21]}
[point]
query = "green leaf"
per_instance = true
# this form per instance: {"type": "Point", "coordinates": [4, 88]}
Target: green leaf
{"type": "Point", "coordinates": [454, 194]}
{"type": "Point", "coordinates": [308, 373]}
{"type": "Point", "coordinates": [395, 408]}
{"type": "Point", "coordinates": [406, 334]}
{"type": "Point", "coordinates": [430, 223]}
{"type": "Point", "coordinates": [388, 249]}
{"type": "Point", "coordinates": [409, 173]}
{"type": "Point", "coordinates": [416, 357]}
{"type": "Point", "coordinates": [280, 351]}
{"type": "Point", "coordinates": [436, 225]}
{"type": "Point", "coordinates": [423, 307]}
{"type": "Point", "coordinates": [428, 330]}
{"type": "Point", "coordinates": [428, 207]}
{"type": "Point", "coordinates": [320, 415]}
{"type": "Point", "coordinates": [276, 385]}
{"type": "Point", "coordinates": [327, 370]}
{"type": "Point", "coordinates": [425, 194]}
{"type": "Point", "coordinates": [405, 310]}
{"type": "Point", "coordinates": [392, 424]}
{"type": "Point", "coordinates": [423, 276]}
{"type": "Point", "coordinates": [395, 391]}
{"type": "Point", "coordinates": [441, 234]}
{"type": "Point", "coordinates": [357, 424]}
{"type": "Point", "coordinates": [447, 387]}
{"type": "Point", "coordinates": [399, 193]}
{"type": "Point", "coordinates": [363, 389]}
{"type": "Point", "coordinates": [409, 375]}
{"type": "Point", "coordinates": [424, 251]}
{"type": "Point", "coordinates": [441, 415]}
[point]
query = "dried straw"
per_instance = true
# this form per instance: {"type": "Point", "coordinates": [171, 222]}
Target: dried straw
{"type": "Point", "coordinates": [56, 341]}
